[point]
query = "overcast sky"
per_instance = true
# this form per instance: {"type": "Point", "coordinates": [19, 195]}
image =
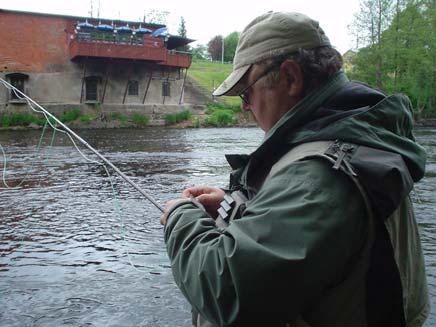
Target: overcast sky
{"type": "Point", "coordinates": [205, 19]}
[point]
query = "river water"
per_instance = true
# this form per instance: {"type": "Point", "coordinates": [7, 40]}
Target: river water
{"type": "Point", "coordinates": [79, 248]}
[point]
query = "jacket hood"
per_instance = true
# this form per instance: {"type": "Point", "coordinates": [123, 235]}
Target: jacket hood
{"type": "Point", "coordinates": [350, 112]}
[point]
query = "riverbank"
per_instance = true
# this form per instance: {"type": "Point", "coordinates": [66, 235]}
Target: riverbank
{"type": "Point", "coordinates": [212, 115]}
{"type": "Point", "coordinates": [193, 123]}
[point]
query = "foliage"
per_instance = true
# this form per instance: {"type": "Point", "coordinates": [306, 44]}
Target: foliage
{"type": "Point", "coordinates": [140, 119]}
{"type": "Point", "coordinates": [212, 107]}
{"type": "Point", "coordinates": [182, 27]}
{"type": "Point", "coordinates": [196, 123]}
{"type": "Point", "coordinates": [221, 118]}
{"type": "Point", "coordinates": [177, 117]}
{"type": "Point", "coordinates": [183, 33]}
{"type": "Point", "coordinates": [69, 115]}
{"type": "Point", "coordinates": [230, 43]}
{"type": "Point", "coordinates": [199, 52]}
{"type": "Point", "coordinates": [215, 47]}
{"type": "Point", "coordinates": [87, 118]}
{"type": "Point", "coordinates": [398, 54]}
{"type": "Point", "coordinates": [20, 119]}
{"type": "Point", "coordinates": [120, 117]}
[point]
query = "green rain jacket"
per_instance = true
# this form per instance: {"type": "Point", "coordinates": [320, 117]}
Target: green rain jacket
{"type": "Point", "coordinates": [304, 229]}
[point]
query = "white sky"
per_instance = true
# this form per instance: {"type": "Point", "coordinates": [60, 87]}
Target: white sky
{"type": "Point", "coordinates": [204, 18]}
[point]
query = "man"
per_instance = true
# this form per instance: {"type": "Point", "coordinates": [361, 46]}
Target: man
{"type": "Point", "coordinates": [317, 227]}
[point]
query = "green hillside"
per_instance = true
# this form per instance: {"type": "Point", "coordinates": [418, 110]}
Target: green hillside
{"type": "Point", "coordinates": [210, 75]}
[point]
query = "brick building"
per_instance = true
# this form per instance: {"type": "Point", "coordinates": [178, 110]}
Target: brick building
{"type": "Point", "coordinates": [67, 62]}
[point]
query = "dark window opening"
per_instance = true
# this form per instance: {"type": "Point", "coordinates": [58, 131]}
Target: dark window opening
{"type": "Point", "coordinates": [133, 88]}
{"type": "Point", "coordinates": [166, 89]}
{"type": "Point", "coordinates": [91, 89]}
{"type": "Point", "coordinates": [17, 80]}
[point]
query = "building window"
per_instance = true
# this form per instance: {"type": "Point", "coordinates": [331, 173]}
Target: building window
{"type": "Point", "coordinates": [17, 80]}
{"type": "Point", "coordinates": [166, 89]}
{"type": "Point", "coordinates": [133, 88]}
{"type": "Point", "coordinates": [91, 88]}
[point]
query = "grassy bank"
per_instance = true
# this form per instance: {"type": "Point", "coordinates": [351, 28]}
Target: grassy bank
{"type": "Point", "coordinates": [75, 117]}
{"type": "Point", "coordinates": [211, 75]}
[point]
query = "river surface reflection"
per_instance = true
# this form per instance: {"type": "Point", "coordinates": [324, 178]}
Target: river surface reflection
{"type": "Point", "coordinates": [78, 248]}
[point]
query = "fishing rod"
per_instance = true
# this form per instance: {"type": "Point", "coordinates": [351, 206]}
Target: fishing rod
{"type": "Point", "coordinates": [77, 137]}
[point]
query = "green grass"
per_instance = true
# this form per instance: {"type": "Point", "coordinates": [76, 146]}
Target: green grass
{"type": "Point", "coordinates": [70, 115]}
{"type": "Point", "coordinates": [87, 118]}
{"type": "Point", "coordinates": [177, 117]}
{"type": "Point", "coordinates": [120, 117]}
{"type": "Point", "coordinates": [140, 119]}
{"type": "Point", "coordinates": [221, 118]}
{"type": "Point", "coordinates": [212, 107]}
{"type": "Point", "coordinates": [211, 75]}
{"type": "Point", "coordinates": [20, 119]}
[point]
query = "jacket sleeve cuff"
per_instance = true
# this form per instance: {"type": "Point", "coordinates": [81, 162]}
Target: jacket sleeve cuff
{"type": "Point", "coordinates": [172, 217]}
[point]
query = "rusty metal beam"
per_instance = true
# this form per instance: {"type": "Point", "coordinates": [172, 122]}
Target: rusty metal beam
{"type": "Point", "coordinates": [147, 87]}
{"type": "Point", "coordinates": [83, 80]}
{"type": "Point", "coordinates": [183, 86]}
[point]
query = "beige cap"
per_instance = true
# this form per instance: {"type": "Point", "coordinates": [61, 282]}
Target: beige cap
{"type": "Point", "coordinates": [268, 36]}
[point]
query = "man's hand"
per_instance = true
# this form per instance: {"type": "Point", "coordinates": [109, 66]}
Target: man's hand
{"type": "Point", "coordinates": [209, 197]}
{"type": "Point", "coordinates": [168, 207]}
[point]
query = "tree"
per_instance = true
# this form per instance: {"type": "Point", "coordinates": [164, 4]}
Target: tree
{"type": "Point", "coordinates": [215, 46]}
{"type": "Point", "coordinates": [182, 32]}
{"type": "Point", "coordinates": [182, 27]}
{"type": "Point", "coordinates": [230, 43]}
{"type": "Point", "coordinates": [369, 23]}
{"type": "Point", "coordinates": [199, 52]}
{"type": "Point", "coordinates": [399, 56]}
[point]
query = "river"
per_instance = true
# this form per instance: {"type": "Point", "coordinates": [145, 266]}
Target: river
{"type": "Point", "coordinates": [79, 248]}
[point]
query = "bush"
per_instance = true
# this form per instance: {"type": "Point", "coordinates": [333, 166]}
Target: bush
{"type": "Point", "coordinates": [212, 107]}
{"type": "Point", "coordinates": [20, 119]}
{"type": "Point", "coordinates": [141, 120]}
{"type": "Point", "coordinates": [87, 118]}
{"type": "Point", "coordinates": [120, 117]}
{"type": "Point", "coordinates": [221, 118]}
{"type": "Point", "coordinates": [196, 123]}
{"type": "Point", "coordinates": [5, 120]}
{"type": "Point", "coordinates": [69, 115]}
{"type": "Point", "coordinates": [177, 117]}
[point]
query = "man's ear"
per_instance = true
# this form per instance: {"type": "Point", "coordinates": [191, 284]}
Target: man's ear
{"type": "Point", "coordinates": [293, 74]}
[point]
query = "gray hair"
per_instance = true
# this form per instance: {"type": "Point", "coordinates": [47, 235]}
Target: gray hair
{"type": "Point", "coordinates": [318, 66]}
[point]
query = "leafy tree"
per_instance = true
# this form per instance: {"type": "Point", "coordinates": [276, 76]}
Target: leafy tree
{"type": "Point", "coordinates": [214, 47]}
{"type": "Point", "coordinates": [398, 53]}
{"type": "Point", "coordinates": [182, 32]}
{"type": "Point", "coordinates": [230, 43]}
{"type": "Point", "coordinates": [200, 52]}
{"type": "Point", "coordinates": [369, 23]}
{"type": "Point", "coordinates": [182, 27]}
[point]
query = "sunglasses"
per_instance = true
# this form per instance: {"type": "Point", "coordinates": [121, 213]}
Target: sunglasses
{"type": "Point", "coordinates": [245, 97]}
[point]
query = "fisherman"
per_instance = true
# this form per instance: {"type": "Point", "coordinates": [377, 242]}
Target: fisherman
{"type": "Point", "coordinates": [317, 226]}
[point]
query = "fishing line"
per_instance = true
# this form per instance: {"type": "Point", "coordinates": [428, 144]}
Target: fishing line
{"type": "Point", "coordinates": [52, 121]}
{"type": "Point", "coordinates": [38, 148]}
{"type": "Point", "coordinates": [72, 134]}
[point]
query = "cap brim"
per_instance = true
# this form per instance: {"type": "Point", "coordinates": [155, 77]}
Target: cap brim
{"type": "Point", "coordinates": [231, 85]}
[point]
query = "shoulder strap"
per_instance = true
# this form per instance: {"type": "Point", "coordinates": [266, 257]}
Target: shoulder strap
{"type": "Point", "coordinates": [300, 152]}
{"type": "Point", "coordinates": [336, 153]}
